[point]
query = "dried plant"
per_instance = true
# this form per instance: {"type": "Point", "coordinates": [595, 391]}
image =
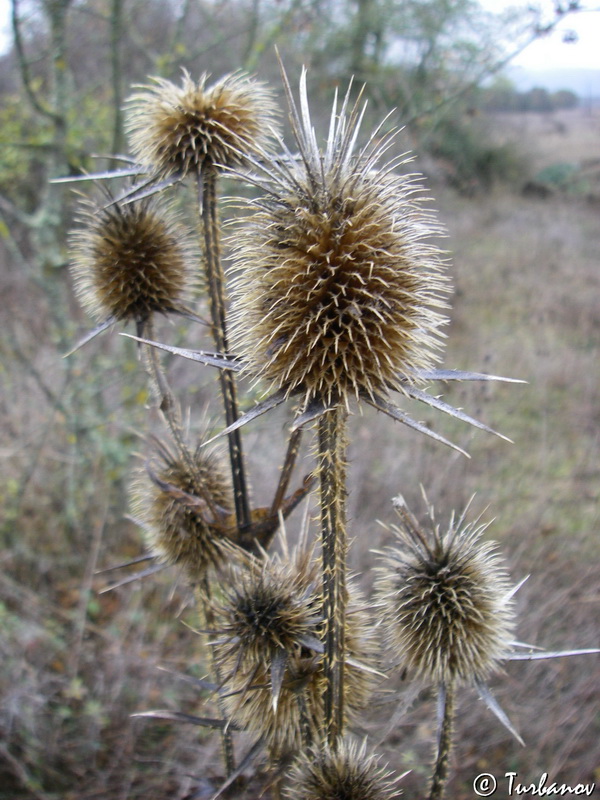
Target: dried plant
{"type": "Point", "coordinates": [348, 772]}
{"type": "Point", "coordinates": [339, 295]}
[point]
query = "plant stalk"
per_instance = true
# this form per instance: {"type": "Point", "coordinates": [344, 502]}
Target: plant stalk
{"type": "Point", "coordinates": [215, 280]}
{"type": "Point", "coordinates": [440, 772]}
{"type": "Point", "coordinates": [204, 595]}
{"type": "Point", "coordinates": [332, 476]}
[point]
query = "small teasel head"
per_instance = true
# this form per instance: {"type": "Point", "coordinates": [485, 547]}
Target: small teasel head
{"type": "Point", "coordinates": [182, 507]}
{"type": "Point", "coordinates": [131, 261]}
{"type": "Point", "coordinates": [337, 290]}
{"type": "Point", "coordinates": [348, 773]}
{"type": "Point", "coordinates": [268, 644]}
{"type": "Point", "coordinates": [446, 600]}
{"type": "Point", "coordinates": [180, 129]}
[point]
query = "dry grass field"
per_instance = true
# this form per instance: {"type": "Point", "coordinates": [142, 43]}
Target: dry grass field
{"type": "Point", "coordinates": [77, 663]}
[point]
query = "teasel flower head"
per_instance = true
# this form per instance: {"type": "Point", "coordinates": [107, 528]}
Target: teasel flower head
{"type": "Point", "coordinates": [446, 598]}
{"type": "Point", "coordinates": [268, 645]}
{"type": "Point", "coordinates": [349, 772]}
{"type": "Point", "coordinates": [337, 291]}
{"type": "Point", "coordinates": [131, 261]}
{"type": "Point", "coordinates": [176, 130]}
{"type": "Point", "coordinates": [182, 508]}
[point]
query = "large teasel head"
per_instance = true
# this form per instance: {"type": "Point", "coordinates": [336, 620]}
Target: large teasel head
{"type": "Point", "coordinates": [348, 772]}
{"type": "Point", "coordinates": [182, 504]}
{"type": "Point", "coordinates": [175, 130]}
{"type": "Point", "coordinates": [337, 290]}
{"type": "Point", "coordinates": [446, 600]}
{"type": "Point", "coordinates": [269, 649]}
{"type": "Point", "coordinates": [131, 261]}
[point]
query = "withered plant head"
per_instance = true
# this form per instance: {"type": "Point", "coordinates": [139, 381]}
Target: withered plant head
{"type": "Point", "coordinates": [183, 509]}
{"type": "Point", "coordinates": [337, 290]}
{"type": "Point", "coordinates": [446, 599]}
{"type": "Point", "coordinates": [131, 261]}
{"type": "Point", "coordinates": [180, 129]}
{"type": "Point", "coordinates": [268, 644]}
{"type": "Point", "coordinates": [348, 773]}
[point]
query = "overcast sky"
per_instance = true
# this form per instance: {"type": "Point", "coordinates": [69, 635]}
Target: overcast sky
{"type": "Point", "coordinates": [548, 53]}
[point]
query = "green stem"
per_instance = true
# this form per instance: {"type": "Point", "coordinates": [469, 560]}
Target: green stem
{"type": "Point", "coordinates": [440, 772]}
{"type": "Point", "coordinates": [215, 281]}
{"type": "Point", "coordinates": [332, 476]}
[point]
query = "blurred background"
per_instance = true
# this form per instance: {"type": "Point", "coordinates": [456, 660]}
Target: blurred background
{"type": "Point", "coordinates": [501, 108]}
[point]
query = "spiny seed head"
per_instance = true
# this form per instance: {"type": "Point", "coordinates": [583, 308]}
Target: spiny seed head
{"type": "Point", "coordinates": [269, 628]}
{"type": "Point", "coordinates": [180, 509]}
{"type": "Point", "coordinates": [179, 129]}
{"type": "Point", "coordinates": [348, 773]}
{"type": "Point", "coordinates": [335, 286]}
{"type": "Point", "coordinates": [131, 261]}
{"type": "Point", "coordinates": [446, 601]}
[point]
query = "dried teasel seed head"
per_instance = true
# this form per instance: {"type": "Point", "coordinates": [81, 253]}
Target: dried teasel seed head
{"type": "Point", "coordinates": [179, 129]}
{"type": "Point", "coordinates": [269, 628]}
{"type": "Point", "coordinates": [131, 261]}
{"type": "Point", "coordinates": [336, 288]}
{"type": "Point", "coordinates": [182, 509]}
{"type": "Point", "coordinates": [349, 772]}
{"type": "Point", "coordinates": [446, 600]}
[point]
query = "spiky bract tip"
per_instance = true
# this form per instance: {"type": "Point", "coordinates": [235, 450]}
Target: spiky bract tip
{"type": "Point", "coordinates": [336, 289]}
{"type": "Point", "coordinates": [180, 129]}
{"type": "Point", "coordinates": [269, 629]}
{"type": "Point", "coordinates": [347, 772]}
{"type": "Point", "coordinates": [446, 600]}
{"type": "Point", "coordinates": [131, 261]}
{"type": "Point", "coordinates": [182, 508]}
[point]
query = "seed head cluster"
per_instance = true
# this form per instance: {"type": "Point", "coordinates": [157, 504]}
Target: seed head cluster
{"type": "Point", "coordinates": [336, 288]}
{"type": "Point", "coordinates": [445, 597]}
{"type": "Point", "coordinates": [180, 510]}
{"type": "Point", "coordinates": [269, 628]}
{"type": "Point", "coordinates": [180, 129]}
{"type": "Point", "coordinates": [131, 261]}
{"type": "Point", "coordinates": [349, 773]}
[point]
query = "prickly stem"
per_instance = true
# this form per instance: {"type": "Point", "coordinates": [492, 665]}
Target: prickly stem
{"type": "Point", "coordinates": [215, 281]}
{"type": "Point", "coordinates": [440, 773]}
{"type": "Point", "coordinates": [332, 476]}
{"type": "Point", "coordinates": [203, 594]}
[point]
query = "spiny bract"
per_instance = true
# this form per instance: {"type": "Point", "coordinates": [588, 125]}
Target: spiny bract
{"type": "Point", "coordinates": [131, 261]}
{"type": "Point", "coordinates": [445, 597]}
{"type": "Point", "coordinates": [269, 628]}
{"type": "Point", "coordinates": [348, 773]}
{"type": "Point", "coordinates": [335, 287]}
{"type": "Point", "coordinates": [181, 508]}
{"type": "Point", "coordinates": [177, 129]}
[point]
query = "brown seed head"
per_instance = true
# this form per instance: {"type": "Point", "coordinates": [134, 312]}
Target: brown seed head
{"type": "Point", "coordinates": [178, 129]}
{"type": "Point", "coordinates": [181, 510]}
{"type": "Point", "coordinates": [349, 773]}
{"type": "Point", "coordinates": [336, 286]}
{"type": "Point", "coordinates": [131, 261]}
{"type": "Point", "coordinates": [269, 645]}
{"type": "Point", "coordinates": [446, 601]}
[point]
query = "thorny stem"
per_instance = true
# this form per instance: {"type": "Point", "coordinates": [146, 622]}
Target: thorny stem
{"type": "Point", "coordinates": [440, 773]}
{"type": "Point", "coordinates": [286, 471]}
{"type": "Point", "coordinates": [332, 476]}
{"type": "Point", "coordinates": [209, 619]}
{"type": "Point", "coordinates": [214, 274]}
{"type": "Point", "coordinates": [170, 411]}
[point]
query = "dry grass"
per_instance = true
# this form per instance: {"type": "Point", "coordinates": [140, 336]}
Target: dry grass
{"type": "Point", "coordinates": [76, 664]}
